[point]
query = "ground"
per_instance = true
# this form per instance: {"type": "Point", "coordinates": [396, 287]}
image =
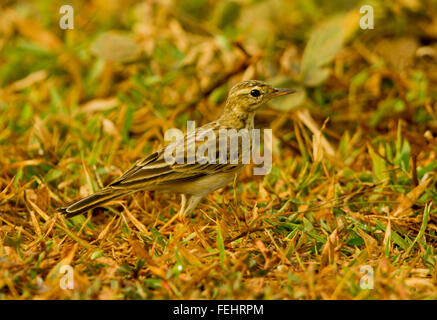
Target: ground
{"type": "Point", "coordinates": [348, 210]}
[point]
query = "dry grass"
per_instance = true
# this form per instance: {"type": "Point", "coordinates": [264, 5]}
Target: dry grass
{"type": "Point", "coordinates": [354, 176]}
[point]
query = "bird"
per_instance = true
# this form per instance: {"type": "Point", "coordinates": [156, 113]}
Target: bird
{"type": "Point", "coordinates": [192, 179]}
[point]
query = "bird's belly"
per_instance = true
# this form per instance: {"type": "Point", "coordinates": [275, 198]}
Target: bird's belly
{"type": "Point", "coordinates": [202, 186]}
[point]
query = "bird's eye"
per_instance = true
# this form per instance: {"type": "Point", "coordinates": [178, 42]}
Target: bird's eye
{"type": "Point", "coordinates": [255, 93]}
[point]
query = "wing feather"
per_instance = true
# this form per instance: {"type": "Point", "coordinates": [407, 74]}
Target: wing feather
{"type": "Point", "coordinates": [154, 169]}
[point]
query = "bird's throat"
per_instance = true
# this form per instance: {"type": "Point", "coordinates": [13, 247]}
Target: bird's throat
{"type": "Point", "coordinates": [237, 120]}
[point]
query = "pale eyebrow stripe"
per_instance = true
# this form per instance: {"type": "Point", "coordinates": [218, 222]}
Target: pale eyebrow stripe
{"type": "Point", "coordinates": [247, 90]}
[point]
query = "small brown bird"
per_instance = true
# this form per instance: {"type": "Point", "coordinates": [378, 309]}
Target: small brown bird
{"type": "Point", "coordinates": [195, 179]}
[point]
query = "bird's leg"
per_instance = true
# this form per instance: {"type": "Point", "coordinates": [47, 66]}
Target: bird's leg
{"type": "Point", "coordinates": [193, 201]}
{"type": "Point", "coordinates": [180, 214]}
{"type": "Point", "coordinates": [183, 205]}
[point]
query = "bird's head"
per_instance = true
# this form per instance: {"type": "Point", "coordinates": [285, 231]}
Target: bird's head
{"type": "Point", "coordinates": [248, 96]}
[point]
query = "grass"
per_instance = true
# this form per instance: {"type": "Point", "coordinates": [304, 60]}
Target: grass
{"type": "Point", "coordinates": [353, 183]}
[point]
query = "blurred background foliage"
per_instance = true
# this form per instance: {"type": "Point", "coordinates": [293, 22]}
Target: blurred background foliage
{"type": "Point", "coordinates": [354, 148]}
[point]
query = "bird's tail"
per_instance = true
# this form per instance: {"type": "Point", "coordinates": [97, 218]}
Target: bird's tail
{"type": "Point", "coordinates": [92, 201]}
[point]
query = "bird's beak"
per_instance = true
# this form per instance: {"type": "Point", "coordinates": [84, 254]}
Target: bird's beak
{"type": "Point", "coordinates": [277, 92]}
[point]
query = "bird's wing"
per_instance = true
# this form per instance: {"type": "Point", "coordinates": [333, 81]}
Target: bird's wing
{"type": "Point", "coordinates": [159, 169]}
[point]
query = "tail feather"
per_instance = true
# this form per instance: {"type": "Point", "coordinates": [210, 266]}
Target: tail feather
{"type": "Point", "coordinates": [92, 201]}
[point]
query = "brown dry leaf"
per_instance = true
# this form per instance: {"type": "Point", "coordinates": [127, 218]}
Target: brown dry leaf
{"type": "Point", "coordinates": [53, 274]}
{"type": "Point", "coordinates": [224, 229]}
{"type": "Point", "coordinates": [408, 200]}
{"type": "Point", "coordinates": [98, 105]}
{"type": "Point", "coordinates": [43, 134]}
{"type": "Point", "coordinates": [329, 250]}
{"type": "Point", "coordinates": [260, 245]}
{"type": "Point", "coordinates": [105, 231]}
{"type": "Point", "coordinates": [30, 197]}
{"type": "Point", "coordinates": [317, 147]}
{"type": "Point", "coordinates": [191, 258]}
{"type": "Point", "coordinates": [138, 249]}
{"type": "Point", "coordinates": [110, 128]}
{"type": "Point", "coordinates": [114, 46]}
{"type": "Point", "coordinates": [263, 195]}
{"type": "Point", "coordinates": [157, 271]}
{"type": "Point", "coordinates": [30, 162]}
{"type": "Point", "coordinates": [306, 118]}
{"type": "Point", "coordinates": [28, 81]}
{"type": "Point", "coordinates": [370, 242]}
{"type": "Point", "coordinates": [34, 32]}
{"type": "Point", "coordinates": [387, 235]}
{"type": "Point", "coordinates": [373, 84]}
{"type": "Point", "coordinates": [35, 223]}
{"type": "Point", "coordinates": [254, 214]}
{"type": "Point", "coordinates": [136, 222]}
{"type": "Point", "coordinates": [420, 283]}
{"type": "Point", "coordinates": [399, 52]}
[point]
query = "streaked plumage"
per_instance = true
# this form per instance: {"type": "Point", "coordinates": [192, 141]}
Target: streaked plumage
{"type": "Point", "coordinates": [192, 180]}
